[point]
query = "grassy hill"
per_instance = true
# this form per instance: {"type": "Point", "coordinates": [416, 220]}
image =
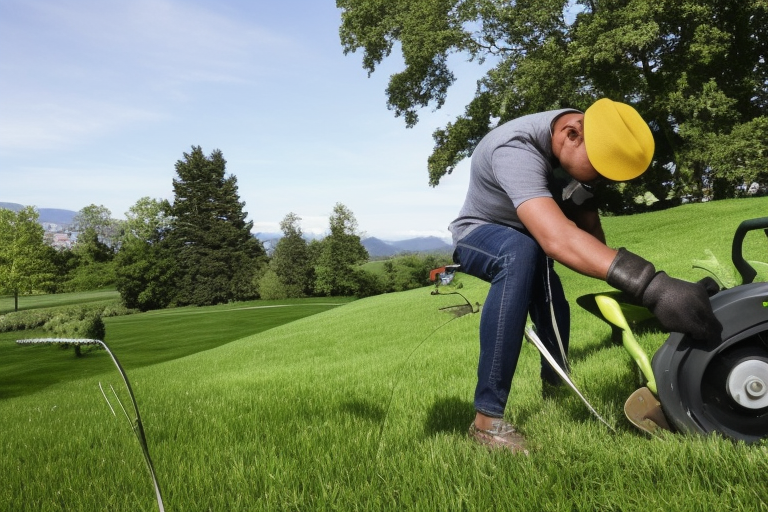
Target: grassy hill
{"type": "Point", "coordinates": [141, 339]}
{"type": "Point", "coordinates": [366, 406]}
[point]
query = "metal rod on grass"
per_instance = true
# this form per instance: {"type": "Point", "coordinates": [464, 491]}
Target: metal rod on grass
{"type": "Point", "coordinates": [531, 336]}
{"type": "Point", "coordinates": [136, 426]}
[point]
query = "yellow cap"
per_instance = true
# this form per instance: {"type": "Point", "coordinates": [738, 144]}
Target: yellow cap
{"type": "Point", "coordinates": [618, 141]}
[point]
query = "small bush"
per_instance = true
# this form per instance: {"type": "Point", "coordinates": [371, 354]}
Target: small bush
{"type": "Point", "coordinates": [81, 325]}
{"type": "Point", "coordinates": [116, 309]}
{"type": "Point", "coordinates": [89, 326]}
{"type": "Point", "coordinates": [270, 287]}
{"type": "Point", "coordinates": [367, 284]}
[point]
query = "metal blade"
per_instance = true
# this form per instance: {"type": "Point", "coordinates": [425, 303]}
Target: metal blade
{"type": "Point", "coordinates": [531, 336]}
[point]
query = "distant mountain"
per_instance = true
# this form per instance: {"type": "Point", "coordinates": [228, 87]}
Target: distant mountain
{"type": "Point", "coordinates": [274, 237]}
{"type": "Point", "coordinates": [424, 244]}
{"type": "Point", "coordinates": [379, 248]}
{"type": "Point", "coordinates": [268, 237]}
{"type": "Point", "coordinates": [12, 206]}
{"type": "Point", "coordinates": [51, 215]}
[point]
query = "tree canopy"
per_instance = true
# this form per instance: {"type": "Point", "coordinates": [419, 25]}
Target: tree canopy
{"type": "Point", "coordinates": [291, 260]}
{"type": "Point", "coordinates": [695, 69]}
{"type": "Point", "coordinates": [97, 220]}
{"type": "Point", "coordinates": [146, 219]}
{"type": "Point", "coordinates": [340, 254]}
{"type": "Point", "coordinates": [145, 265]}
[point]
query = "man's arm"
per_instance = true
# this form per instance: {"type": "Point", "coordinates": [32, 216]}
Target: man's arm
{"type": "Point", "coordinates": [564, 241]}
{"type": "Point", "coordinates": [588, 220]}
{"type": "Point", "coordinates": [680, 306]}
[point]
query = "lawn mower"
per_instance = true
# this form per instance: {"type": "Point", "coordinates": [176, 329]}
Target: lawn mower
{"type": "Point", "coordinates": [693, 387]}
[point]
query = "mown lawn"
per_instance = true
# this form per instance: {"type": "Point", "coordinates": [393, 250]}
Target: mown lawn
{"type": "Point", "coordinates": [142, 339]}
{"type": "Point", "coordinates": [61, 299]}
{"type": "Point", "coordinates": [365, 407]}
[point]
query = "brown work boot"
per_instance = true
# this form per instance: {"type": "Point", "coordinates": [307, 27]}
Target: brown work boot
{"type": "Point", "coordinates": [500, 435]}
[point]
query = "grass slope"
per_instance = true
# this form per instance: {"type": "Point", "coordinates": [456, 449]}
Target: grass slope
{"type": "Point", "coordinates": [144, 339]}
{"type": "Point", "coordinates": [365, 407]}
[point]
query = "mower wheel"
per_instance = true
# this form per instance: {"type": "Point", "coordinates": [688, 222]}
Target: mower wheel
{"type": "Point", "coordinates": [720, 388]}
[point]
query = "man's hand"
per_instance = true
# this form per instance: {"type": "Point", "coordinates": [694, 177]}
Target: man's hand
{"type": "Point", "coordinates": [680, 306]}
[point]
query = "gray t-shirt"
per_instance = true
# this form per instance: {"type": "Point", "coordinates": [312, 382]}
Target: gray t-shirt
{"type": "Point", "coordinates": [511, 164]}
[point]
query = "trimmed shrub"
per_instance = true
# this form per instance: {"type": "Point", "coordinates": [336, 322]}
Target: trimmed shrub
{"type": "Point", "coordinates": [85, 325]}
{"type": "Point", "coordinates": [36, 318]}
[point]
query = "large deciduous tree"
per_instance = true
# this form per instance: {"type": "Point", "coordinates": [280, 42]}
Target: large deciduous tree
{"type": "Point", "coordinates": [145, 269]}
{"type": "Point", "coordinates": [145, 219]}
{"type": "Point", "coordinates": [695, 69]}
{"type": "Point", "coordinates": [216, 255]}
{"type": "Point", "coordinates": [97, 219]}
{"type": "Point", "coordinates": [340, 254]}
{"type": "Point", "coordinates": [24, 263]}
{"type": "Point", "coordinates": [290, 273]}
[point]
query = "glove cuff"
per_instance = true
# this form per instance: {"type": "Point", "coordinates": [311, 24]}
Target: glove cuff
{"type": "Point", "coordinates": [630, 273]}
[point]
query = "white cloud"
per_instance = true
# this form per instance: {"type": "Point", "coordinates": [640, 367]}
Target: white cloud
{"type": "Point", "coordinates": [74, 187]}
{"type": "Point", "coordinates": [57, 124]}
{"type": "Point", "coordinates": [310, 225]}
{"type": "Point", "coordinates": [175, 33]}
{"type": "Point", "coordinates": [106, 96]}
{"type": "Point", "coordinates": [86, 68]}
{"type": "Point", "coordinates": [266, 227]}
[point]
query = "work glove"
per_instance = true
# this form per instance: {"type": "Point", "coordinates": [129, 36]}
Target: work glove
{"type": "Point", "coordinates": [680, 306]}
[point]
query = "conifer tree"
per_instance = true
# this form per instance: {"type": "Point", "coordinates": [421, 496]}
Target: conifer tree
{"type": "Point", "coordinates": [215, 254]}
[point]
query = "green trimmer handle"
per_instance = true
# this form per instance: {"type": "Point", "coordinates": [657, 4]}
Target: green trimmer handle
{"type": "Point", "coordinates": [612, 312]}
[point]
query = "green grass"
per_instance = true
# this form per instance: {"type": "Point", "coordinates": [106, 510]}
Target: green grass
{"type": "Point", "coordinates": [365, 407]}
{"type": "Point", "coordinates": [59, 299]}
{"type": "Point", "coordinates": [144, 339]}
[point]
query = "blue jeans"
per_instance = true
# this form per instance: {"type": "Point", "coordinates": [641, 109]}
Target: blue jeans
{"type": "Point", "coordinates": [520, 275]}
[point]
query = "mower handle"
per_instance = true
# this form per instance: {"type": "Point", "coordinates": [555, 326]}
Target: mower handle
{"type": "Point", "coordinates": [745, 269]}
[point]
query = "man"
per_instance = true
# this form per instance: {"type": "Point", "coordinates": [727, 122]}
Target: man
{"type": "Point", "coordinates": [528, 203]}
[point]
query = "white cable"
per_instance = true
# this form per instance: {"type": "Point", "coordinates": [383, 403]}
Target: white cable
{"type": "Point", "coordinates": [554, 320]}
{"type": "Point", "coordinates": [531, 336]}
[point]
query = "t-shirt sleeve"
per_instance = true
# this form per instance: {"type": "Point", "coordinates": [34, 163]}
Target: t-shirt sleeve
{"type": "Point", "coordinates": [521, 172]}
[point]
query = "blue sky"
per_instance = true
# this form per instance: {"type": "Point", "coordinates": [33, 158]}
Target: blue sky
{"type": "Point", "coordinates": [98, 100]}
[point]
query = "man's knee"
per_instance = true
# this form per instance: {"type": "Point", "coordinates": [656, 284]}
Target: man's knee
{"type": "Point", "coordinates": [522, 250]}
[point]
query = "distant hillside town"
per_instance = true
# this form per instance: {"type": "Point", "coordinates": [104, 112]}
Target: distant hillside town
{"type": "Point", "coordinates": [57, 224]}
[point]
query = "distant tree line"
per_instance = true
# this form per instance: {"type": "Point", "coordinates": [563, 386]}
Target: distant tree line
{"type": "Point", "coordinates": [197, 250]}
